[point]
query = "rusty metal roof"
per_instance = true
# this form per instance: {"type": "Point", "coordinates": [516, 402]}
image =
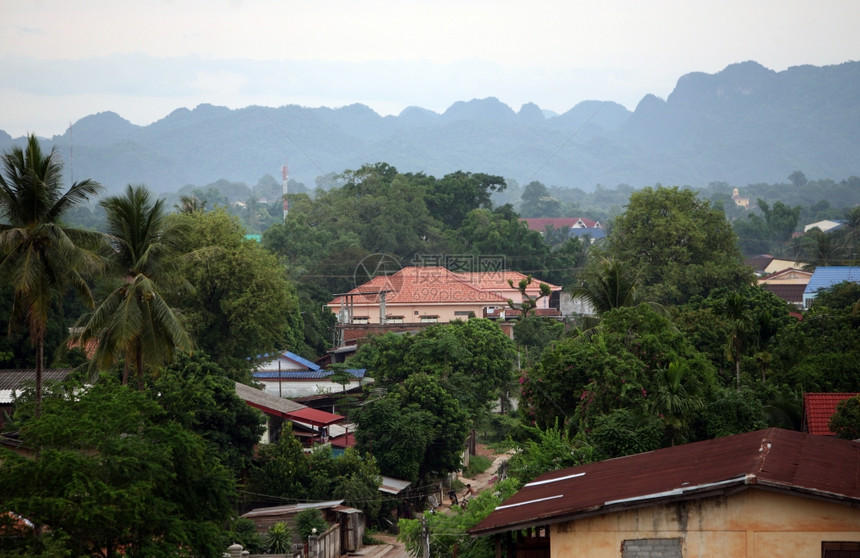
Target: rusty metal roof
{"type": "Point", "coordinates": [778, 459]}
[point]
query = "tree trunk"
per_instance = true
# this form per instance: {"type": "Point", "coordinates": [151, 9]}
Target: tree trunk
{"type": "Point", "coordinates": [40, 358]}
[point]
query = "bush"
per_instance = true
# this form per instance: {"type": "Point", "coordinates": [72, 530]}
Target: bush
{"type": "Point", "coordinates": [279, 538]}
{"type": "Point", "coordinates": [308, 520]}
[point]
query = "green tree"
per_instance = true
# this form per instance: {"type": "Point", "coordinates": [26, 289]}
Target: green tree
{"type": "Point", "coordinates": [310, 521]}
{"type": "Point", "coordinates": [472, 360]}
{"type": "Point", "coordinates": [117, 477]}
{"type": "Point", "coordinates": [500, 232]}
{"type": "Point", "coordinates": [845, 422]}
{"type": "Point", "coordinates": [243, 304]}
{"type": "Point", "coordinates": [682, 246]}
{"type": "Point", "coordinates": [452, 197]}
{"type": "Point", "coordinates": [449, 532]}
{"type": "Point", "coordinates": [415, 432]}
{"type": "Point", "coordinates": [135, 321]}
{"type": "Point", "coordinates": [821, 352]}
{"type": "Point", "coordinates": [607, 284]}
{"type": "Point", "coordinates": [281, 468]}
{"type": "Point", "coordinates": [200, 395]}
{"type": "Point", "coordinates": [616, 365]}
{"type": "Point", "coordinates": [39, 256]}
{"type": "Point", "coordinates": [352, 477]}
{"type": "Point", "coordinates": [546, 450]}
{"type": "Point", "coordinates": [673, 402]}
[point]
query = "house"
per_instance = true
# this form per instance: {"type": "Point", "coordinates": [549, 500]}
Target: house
{"type": "Point", "coordinates": [765, 264]}
{"type": "Point", "coordinates": [771, 492]}
{"type": "Point", "coordinates": [826, 225]}
{"type": "Point", "coordinates": [309, 425]}
{"type": "Point", "coordinates": [344, 535]}
{"type": "Point", "coordinates": [739, 200]}
{"type": "Point", "coordinates": [825, 277]}
{"type": "Point", "coordinates": [13, 381]}
{"type": "Point", "coordinates": [788, 284]}
{"type": "Point", "coordinates": [416, 296]}
{"type": "Point", "coordinates": [289, 375]}
{"type": "Point", "coordinates": [574, 226]}
{"type": "Point", "coordinates": [817, 410]}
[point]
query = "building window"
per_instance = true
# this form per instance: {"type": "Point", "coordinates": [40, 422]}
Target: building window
{"type": "Point", "coordinates": [651, 548]}
{"type": "Point", "coordinates": [360, 320]}
{"type": "Point", "coordinates": [394, 319]}
{"type": "Point", "coordinates": [429, 319]}
{"type": "Point", "coordinates": [464, 313]}
{"type": "Point", "coordinates": [831, 549]}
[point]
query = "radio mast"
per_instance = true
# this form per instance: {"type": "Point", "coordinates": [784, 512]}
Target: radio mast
{"type": "Point", "coordinates": [285, 173]}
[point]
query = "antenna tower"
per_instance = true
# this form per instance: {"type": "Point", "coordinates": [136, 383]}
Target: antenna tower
{"type": "Point", "coordinates": [285, 174]}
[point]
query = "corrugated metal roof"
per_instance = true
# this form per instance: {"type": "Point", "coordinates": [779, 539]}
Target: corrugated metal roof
{"type": "Point", "coordinates": [826, 276]}
{"type": "Point", "coordinates": [292, 508]}
{"type": "Point", "coordinates": [15, 378]}
{"type": "Point", "coordinates": [780, 459]}
{"type": "Point", "coordinates": [266, 401]}
{"type": "Point", "coordinates": [315, 417]}
{"type": "Point", "coordinates": [305, 374]}
{"type": "Point", "coordinates": [391, 485]}
{"type": "Point", "coordinates": [817, 410]}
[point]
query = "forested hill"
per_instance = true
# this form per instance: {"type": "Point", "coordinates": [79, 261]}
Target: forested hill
{"type": "Point", "coordinates": [746, 124]}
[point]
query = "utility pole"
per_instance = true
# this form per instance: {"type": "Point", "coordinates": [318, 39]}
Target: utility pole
{"type": "Point", "coordinates": [425, 538]}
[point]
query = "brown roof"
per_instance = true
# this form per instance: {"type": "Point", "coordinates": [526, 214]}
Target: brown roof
{"type": "Point", "coordinates": [778, 459]}
{"type": "Point", "coordinates": [817, 410]}
{"type": "Point", "coordinates": [789, 293]}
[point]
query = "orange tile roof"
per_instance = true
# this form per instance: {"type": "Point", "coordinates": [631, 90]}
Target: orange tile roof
{"type": "Point", "coordinates": [818, 408]}
{"type": "Point", "coordinates": [413, 285]}
{"type": "Point", "coordinates": [498, 280]}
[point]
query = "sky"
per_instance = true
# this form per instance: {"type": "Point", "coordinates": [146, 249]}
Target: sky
{"type": "Point", "coordinates": [61, 61]}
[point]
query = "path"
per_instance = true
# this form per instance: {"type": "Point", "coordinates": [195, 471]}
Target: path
{"type": "Point", "coordinates": [391, 548]}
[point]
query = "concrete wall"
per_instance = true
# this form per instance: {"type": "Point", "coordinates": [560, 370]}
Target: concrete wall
{"type": "Point", "coordinates": [752, 524]}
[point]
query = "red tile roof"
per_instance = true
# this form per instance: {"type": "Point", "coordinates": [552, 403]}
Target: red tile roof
{"type": "Point", "coordinates": [781, 460]}
{"type": "Point", "coordinates": [817, 410]}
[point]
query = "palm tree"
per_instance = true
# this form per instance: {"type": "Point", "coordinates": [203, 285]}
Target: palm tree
{"type": "Point", "coordinates": [190, 204]}
{"type": "Point", "coordinates": [608, 285]}
{"type": "Point", "coordinates": [740, 328]}
{"type": "Point", "coordinates": [672, 401]}
{"type": "Point", "coordinates": [134, 321]}
{"type": "Point", "coordinates": [39, 256]}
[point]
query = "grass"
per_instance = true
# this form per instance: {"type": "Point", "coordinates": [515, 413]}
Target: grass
{"type": "Point", "coordinates": [477, 465]}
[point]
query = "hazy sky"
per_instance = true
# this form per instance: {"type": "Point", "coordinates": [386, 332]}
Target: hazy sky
{"type": "Point", "coordinates": [61, 60]}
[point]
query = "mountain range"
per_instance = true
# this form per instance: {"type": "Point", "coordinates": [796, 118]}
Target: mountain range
{"type": "Point", "coordinates": [743, 125]}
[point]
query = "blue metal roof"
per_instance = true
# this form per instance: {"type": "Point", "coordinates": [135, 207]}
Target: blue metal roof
{"type": "Point", "coordinates": [291, 356]}
{"type": "Point", "coordinates": [826, 276]}
{"type": "Point", "coordinates": [305, 374]}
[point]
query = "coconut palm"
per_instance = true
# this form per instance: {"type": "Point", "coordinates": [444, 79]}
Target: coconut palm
{"type": "Point", "coordinates": [134, 321]}
{"type": "Point", "coordinates": [39, 256]}
{"type": "Point", "coordinates": [608, 285]}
